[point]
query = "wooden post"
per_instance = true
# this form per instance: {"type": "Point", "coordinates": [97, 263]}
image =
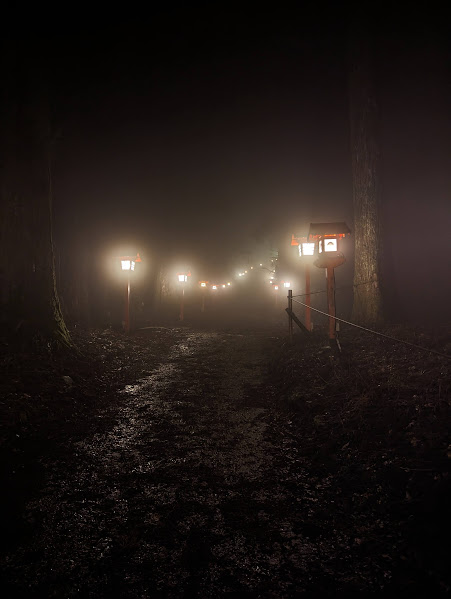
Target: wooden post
{"type": "Point", "coordinates": [331, 300]}
{"type": "Point", "coordinates": [127, 305]}
{"type": "Point", "coordinates": [308, 317]}
{"type": "Point", "coordinates": [181, 302]}
{"type": "Point", "coordinates": [290, 308]}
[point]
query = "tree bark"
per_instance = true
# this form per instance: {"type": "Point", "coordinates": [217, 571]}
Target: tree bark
{"type": "Point", "coordinates": [29, 295]}
{"type": "Point", "coordinates": [367, 306]}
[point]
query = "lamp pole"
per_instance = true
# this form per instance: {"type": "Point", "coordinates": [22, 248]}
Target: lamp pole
{"type": "Point", "coordinates": [308, 317]}
{"type": "Point", "coordinates": [182, 302]}
{"type": "Point", "coordinates": [182, 277]}
{"type": "Point", "coordinates": [128, 264]}
{"type": "Point", "coordinates": [331, 300]}
{"type": "Point", "coordinates": [127, 304]}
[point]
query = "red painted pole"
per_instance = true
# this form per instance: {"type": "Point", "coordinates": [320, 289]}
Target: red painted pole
{"type": "Point", "coordinates": [308, 317]}
{"type": "Point", "coordinates": [331, 300]}
{"type": "Point", "coordinates": [181, 303]}
{"type": "Point", "coordinates": [290, 307]}
{"type": "Point", "coordinates": [127, 306]}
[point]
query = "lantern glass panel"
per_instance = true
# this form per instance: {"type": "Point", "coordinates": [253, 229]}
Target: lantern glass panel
{"type": "Point", "coordinates": [306, 249]}
{"type": "Point", "coordinates": [330, 245]}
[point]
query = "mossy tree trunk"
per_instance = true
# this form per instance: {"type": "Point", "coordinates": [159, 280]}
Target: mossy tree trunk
{"type": "Point", "coordinates": [367, 306]}
{"type": "Point", "coordinates": [29, 295]}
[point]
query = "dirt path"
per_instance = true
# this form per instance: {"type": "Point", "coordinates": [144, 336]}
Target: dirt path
{"type": "Point", "coordinates": [192, 486]}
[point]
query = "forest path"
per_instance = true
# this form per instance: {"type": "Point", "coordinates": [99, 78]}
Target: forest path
{"type": "Point", "coordinates": [192, 486]}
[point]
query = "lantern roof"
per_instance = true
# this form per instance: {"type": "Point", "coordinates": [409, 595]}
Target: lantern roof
{"type": "Point", "coordinates": [318, 230]}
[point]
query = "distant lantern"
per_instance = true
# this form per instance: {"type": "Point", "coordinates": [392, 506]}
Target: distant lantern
{"type": "Point", "coordinates": [287, 285]}
{"type": "Point", "coordinates": [182, 278]}
{"type": "Point", "coordinates": [228, 284]}
{"type": "Point", "coordinates": [214, 287]}
{"type": "Point", "coordinates": [128, 265]}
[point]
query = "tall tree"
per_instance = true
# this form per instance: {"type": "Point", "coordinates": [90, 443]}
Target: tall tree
{"type": "Point", "coordinates": [29, 295]}
{"type": "Point", "coordinates": [367, 307]}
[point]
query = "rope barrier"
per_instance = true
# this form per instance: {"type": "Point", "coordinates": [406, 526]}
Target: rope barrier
{"type": "Point", "coordinates": [336, 289]}
{"type": "Point", "coordinates": [352, 324]}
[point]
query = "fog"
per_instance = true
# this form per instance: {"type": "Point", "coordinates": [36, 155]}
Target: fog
{"type": "Point", "coordinates": [202, 141]}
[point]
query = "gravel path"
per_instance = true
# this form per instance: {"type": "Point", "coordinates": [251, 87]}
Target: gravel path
{"type": "Point", "coordinates": [192, 487]}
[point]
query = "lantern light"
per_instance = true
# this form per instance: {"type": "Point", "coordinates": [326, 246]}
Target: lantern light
{"type": "Point", "coordinates": [306, 249]}
{"type": "Point", "coordinates": [287, 285]}
{"type": "Point", "coordinates": [214, 287]}
{"type": "Point", "coordinates": [228, 284]}
{"type": "Point", "coordinates": [329, 236]}
{"type": "Point", "coordinates": [276, 287]}
{"type": "Point", "coordinates": [182, 278]}
{"type": "Point", "coordinates": [223, 286]}
{"type": "Point", "coordinates": [128, 264]}
{"type": "Point", "coordinates": [329, 245]}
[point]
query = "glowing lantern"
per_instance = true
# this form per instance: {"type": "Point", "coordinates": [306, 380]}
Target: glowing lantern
{"type": "Point", "coordinates": [128, 266]}
{"type": "Point", "coordinates": [328, 237]}
{"type": "Point", "coordinates": [306, 248]}
{"type": "Point", "coordinates": [182, 278]}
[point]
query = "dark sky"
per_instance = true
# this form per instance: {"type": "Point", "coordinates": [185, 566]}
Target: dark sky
{"type": "Point", "coordinates": [201, 129]}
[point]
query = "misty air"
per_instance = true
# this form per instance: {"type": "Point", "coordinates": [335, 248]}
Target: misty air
{"type": "Point", "coordinates": [225, 284]}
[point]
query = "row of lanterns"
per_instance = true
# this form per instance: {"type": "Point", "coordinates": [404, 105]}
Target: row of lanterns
{"type": "Point", "coordinates": [321, 245]}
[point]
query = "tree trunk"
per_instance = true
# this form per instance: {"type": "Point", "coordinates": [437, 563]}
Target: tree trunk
{"type": "Point", "coordinates": [367, 307]}
{"type": "Point", "coordinates": [29, 295]}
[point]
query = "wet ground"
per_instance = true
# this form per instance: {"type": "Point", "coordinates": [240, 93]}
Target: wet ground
{"type": "Point", "coordinates": [191, 474]}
